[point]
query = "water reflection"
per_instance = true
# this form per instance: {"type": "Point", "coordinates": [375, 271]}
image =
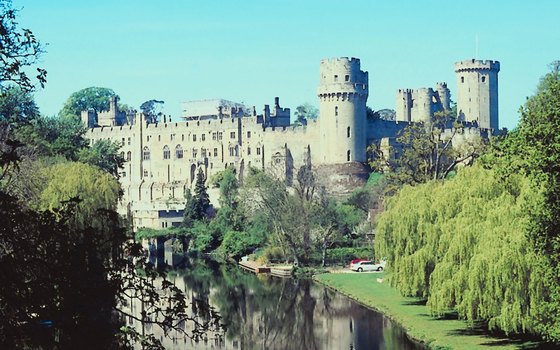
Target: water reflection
{"type": "Point", "coordinates": [261, 312]}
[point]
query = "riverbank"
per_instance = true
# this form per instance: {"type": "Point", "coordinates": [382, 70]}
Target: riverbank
{"type": "Point", "coordinates": [413, 315]}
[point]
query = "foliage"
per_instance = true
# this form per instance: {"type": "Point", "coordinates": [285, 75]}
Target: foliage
{"type": "Point", "coordinates": [105, 155]}
{"type": "Point", "coordinates": [196, 207]}
{"type": "Point", "coordinates": [17, 105]}
{"type": "Point", "coordinates": [19, 50]}
{"type": "Point", "coordinates": [95, 98]}
{"type": "Point", "coordinates": [152, 110]}
{"type": "Point", "coordinates": [95, 191]}
{"type": "Point", "coordinates": [305, 112]}
{"type": "Point", "coordinates": [52, 136]}
{"type": "Point", "coordinates": [425, 152]}
{"type": "Point", "coordinates": [462, 245]}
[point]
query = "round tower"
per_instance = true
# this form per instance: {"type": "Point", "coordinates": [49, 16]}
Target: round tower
{"type": "Point", "coordinates": [444, 96]}
{"type": "Point", "coordinates": [343, 92]}
{"type": "Point", "coordinates": [477, 92]}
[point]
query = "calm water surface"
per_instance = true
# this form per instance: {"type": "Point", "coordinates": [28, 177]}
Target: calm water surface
{"type": "Point", "coordinates": [261, 312]}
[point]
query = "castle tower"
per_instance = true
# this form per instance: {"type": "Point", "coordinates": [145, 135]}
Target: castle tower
{"type": "Point", "coordinates": [477, 92]}
{"type": "Point", "coordinates": [342, 92]}
{"type": "Point", "coordinates": [444, 96]}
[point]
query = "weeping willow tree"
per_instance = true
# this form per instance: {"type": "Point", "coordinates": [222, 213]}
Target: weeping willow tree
{"type": "Point", "coordinates": [462, 244]}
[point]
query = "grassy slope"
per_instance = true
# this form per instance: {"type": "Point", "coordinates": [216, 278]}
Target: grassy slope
{"type": "Point", "coordinates": [413, 316]}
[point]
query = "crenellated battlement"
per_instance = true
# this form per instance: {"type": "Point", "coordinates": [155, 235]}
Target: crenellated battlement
{"type": "Point", "coordinates": [472, 64]}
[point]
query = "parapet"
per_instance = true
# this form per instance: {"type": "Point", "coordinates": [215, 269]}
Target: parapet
{"type": "Point", "coordinates": [472, 64]}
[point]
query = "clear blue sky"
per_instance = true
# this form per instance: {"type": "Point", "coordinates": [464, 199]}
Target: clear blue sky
{"type": "Point", "coordinates": [252, 51]}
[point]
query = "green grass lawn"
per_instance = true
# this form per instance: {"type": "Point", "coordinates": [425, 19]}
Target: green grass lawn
{"type": "Point", "coordinates": [413, 315]}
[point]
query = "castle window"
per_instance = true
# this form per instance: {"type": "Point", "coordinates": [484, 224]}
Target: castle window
{"type": "Point", "coordinates": [203, 137]}
{"type": "Point", "coordinates": [348, 132]}
{"type": "Point", "coordinates": [483, 79]}
{"type": "Point", "coordinates": [145, 173]}
{"type": "Point", "coordinates": [172, 137]}
{"type": "Point", "coordinates": [462, 79]}
{"type": "Point", "coordinates": [248, 134]}
{"type": "Point", "coordinates": [148, 138]}
{"type": "Point", "coordinates": [182, 137]}
{"type": "Point", "coordinates": [123, 174]}
{"type": "Point", "coordinates": [129, 141]}
{"type": "Point", "coordinates": [166, 152]}
{"type": "Point", "coordinates": [232, 134]}
{"type": "Point", "coordinates": [122, 155]}
{"type": "Point", "coordinates": [336, 78]}
{"type": "Point", "coordinates": [231, 151]}
{"type": "Point", "coordinates": [128, 155]}
{"type": "Point", "coordinates": [194, 152]}
{"type": "Point", "coordinates": [220, 134]}
{"type": "Point", "coordinates": [346, 77]}
{"type": "Point", "coordinates": [248, 151]}
{"type": "Point", "coordinates": [336, 110]}
{"type": "Point", "coordinates": [122, 143]}
{"type": "Point", "coordinates": [214, 136]}
{"type": "Point", "coordinates": [348, 156]}
{"type": "Point", "coordinates": [258, 151]}
{"type": "Point", "coordinates": [159, 138]}
{"type": "Point", "coordinates": [178, 152]}
{"type": "Point", "coordinates": [146, 153]}
{"type": "Point", "coordinates": [194, 137]}
{"type": "Point", "coordinates": [215, 152]}
{"type": "Point", "coordinates": [203, 152]}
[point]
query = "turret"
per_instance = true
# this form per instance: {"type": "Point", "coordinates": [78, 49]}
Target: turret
{"type": "Point", "coordinates": [477, 92]}
{"type": "Point", "coordinates": [343, 92]}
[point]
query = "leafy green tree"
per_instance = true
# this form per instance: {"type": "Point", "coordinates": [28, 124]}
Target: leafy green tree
{"type": "Point", "coordinates": [103, 154]}
{"type": "Point", "coordinates": [462, 244]}
{"type": "Point", "coordinates": [96, 98]}
{"type": "Point", "coordinates": [152, 110]}
{"type": "Point", "coordinates": [20, 49]}
{"type": "Point", "coordinates": [52, 136]}
{"type": "Point", "coordinates": [533, 149]}
{"type": "Point", "coordinates": [425, 152]}
{"type": "Point", "coordinates": [95, 191]}
{"type": "Point", "coordinates": [306, 112]}
{"type": "Point", "coordinates": [197, 205]}
{"type": "Point", "coordinates": [17, 105]}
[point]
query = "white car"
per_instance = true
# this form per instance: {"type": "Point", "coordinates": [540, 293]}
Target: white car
{"type": "Point", "coordinates": [367, 265]}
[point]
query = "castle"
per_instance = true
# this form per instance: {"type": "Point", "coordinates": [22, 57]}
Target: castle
{"type": "Point", "coordinates": [162, 158]}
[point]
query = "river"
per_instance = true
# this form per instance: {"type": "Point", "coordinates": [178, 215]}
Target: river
{"type": "Point", "coordinates": [263, 312]}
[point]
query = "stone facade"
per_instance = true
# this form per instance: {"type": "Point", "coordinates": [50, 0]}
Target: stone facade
{"type": "Point", "coordinates": [162, 158]}
{"type": "Point", "coordinates": [420, 105]}
{"type": "Point", "coordinates": [477, 97]}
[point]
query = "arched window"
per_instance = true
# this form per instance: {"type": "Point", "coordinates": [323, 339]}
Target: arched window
{"type": "Point", "coordinates": [336, 110]}
{"type": "Point", "coordinates": [128, 156]}
{"type": "Point", "coordinates": [348, 156]}
{"type": "Point", "coordinates": [122, 155]}
{"type": "Point", "coordinates": [166, 152]}
{"type": "Point", "coordinates": [178, 152]}
{"type": "Point", "coordinates": [146, 153]}
{"type": "Point", "coordinates": [348, 132]}
{"type": "Point", "coordinates": [462, 79]}
{"type": "Point", "coordinates": [203, 152]}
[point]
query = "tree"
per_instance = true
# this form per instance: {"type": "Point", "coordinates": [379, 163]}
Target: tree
{"type": "Point", "coordinates": [306, 112]}
{"type": "Point", "coordinates": [534, 151]}
{"type": "Point", "coordinates": [19, 50]}
{"type": "Point", "coordinates": [52, 136]}
{"type": "Point", "coordinates": [426, 151]}
{"type": "Point", "coordinates": [95, 98]}
{"type": "Point", "coordinates": [196, 207]}
{"type": "Point", "coordinates": [105, 155]}
{"type": "Point", "coordinates": [462, 244]}
{"type": "Point", "coordinates": [17, 106]}
{"type": "Point", "coordinates": [152, 110]}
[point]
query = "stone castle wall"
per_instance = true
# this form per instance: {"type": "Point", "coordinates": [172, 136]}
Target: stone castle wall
{"type": "Point", "coordinates": [162, 159]}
